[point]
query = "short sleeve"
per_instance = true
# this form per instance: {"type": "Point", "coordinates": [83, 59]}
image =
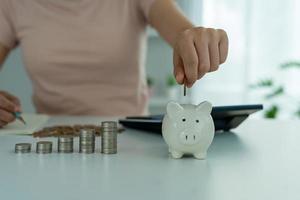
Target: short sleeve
{"type": "Point", "coordinates": [145, 6]}
{"type": "Point", "coordinates": [7, 31]}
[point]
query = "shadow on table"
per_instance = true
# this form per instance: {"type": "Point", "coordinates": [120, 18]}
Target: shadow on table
{"type": "Point", "coordinates": [224, 145]}
{"type": "Point", "coordinates": [228, 144]}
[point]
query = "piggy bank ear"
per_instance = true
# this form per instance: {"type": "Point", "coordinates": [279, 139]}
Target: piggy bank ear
{"type": "Point", "coordinates": [173, 108]}
{"type": "Point", "coordinates": [204, 107]}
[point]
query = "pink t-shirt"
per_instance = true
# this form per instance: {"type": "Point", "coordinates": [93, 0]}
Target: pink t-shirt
{"type": "Point", "coordinates": [84, 57]}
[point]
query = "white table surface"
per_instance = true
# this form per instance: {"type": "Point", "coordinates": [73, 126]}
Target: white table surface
{"type": "Point", "coordinates": [260, 160]}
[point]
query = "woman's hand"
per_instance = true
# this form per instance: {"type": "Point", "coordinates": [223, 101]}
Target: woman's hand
{"type": "Point", "coordinates": [198, 51]}
{"type": "Point", "coordinates": [8, 105]}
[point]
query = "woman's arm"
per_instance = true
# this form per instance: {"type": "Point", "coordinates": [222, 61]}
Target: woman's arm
{"type": "Point", "coordinates": [197, 50]}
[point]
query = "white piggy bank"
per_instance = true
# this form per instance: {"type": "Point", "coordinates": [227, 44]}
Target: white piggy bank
{"type": "Point", "coordinates": [188, 129]}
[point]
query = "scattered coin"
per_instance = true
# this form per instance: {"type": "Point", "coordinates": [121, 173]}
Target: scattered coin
{"type": "Point", "coordinates": [55, 131]}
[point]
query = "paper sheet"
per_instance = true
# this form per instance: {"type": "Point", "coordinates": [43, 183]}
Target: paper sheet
{"type": "Point", "coordinates": [33, 123]}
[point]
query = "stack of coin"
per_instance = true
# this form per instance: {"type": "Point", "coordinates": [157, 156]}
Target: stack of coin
{"type": "Point", "coordinates": [109, 137]}
{"type": "Point", "coordinates": [65, 144]}
{"type": "Point", "coordinates": [44, 147]}
{"type": "Point", "coordinates": [87, 141]}
{"type": "Point", "coordinates": [23, 148]}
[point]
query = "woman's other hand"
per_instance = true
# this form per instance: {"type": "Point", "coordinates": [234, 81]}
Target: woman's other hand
{"type": "Point", "coordinates": [8, 105]}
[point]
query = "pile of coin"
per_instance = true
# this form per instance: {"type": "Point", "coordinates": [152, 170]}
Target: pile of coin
{"type": "Point", "coordinates": [65, 144]}
{"type": "Point", "coordinates": [23, 148]}
{"type": "Point", "coordinates": [109, 137]}
{"type": "Point", "coordinates": [44, 147]}
{"type": "Point", "coordinates": [87, 141]}
{"type": "Point", "coordinates": [74, 130]}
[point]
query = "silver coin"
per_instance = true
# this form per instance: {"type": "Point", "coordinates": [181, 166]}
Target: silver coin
{"type": "Point", "coordinates": [65, 151]}
{"type": "Point", "coordinates": [87, 144]}
{"type": "Point", "coordinates": [111, 147]}
{"type": "Point", "coordinates": [86, 151]}
{"type": "Point", "coordinates": [44, 151]}
{"type": "Point", "coordinates": [106, 130]}
{"type": "Point", "coordinates": [22, 151]}
{"type": "Point", "coordinates": [108, 149]}
{"type": "Point", "coordinates": [44, 147]}
{"type": "Point", "coordinates": [87, 141]}
{"type": "Point", "coordinates": [65, 143]}
{"type": "Point", "coordinates": [65, 147]}
{"type": "Point", "coordinates": [87, 147]}
{"type": "Point", "coordinates": [109, 139]}
{"type": "Point", "coordinates": [109, 123]}
{"type": "Point", "coordinates": [109, 133]}
{"type": "Point", "coordinates": [109, 144]}
{"type": "Point", "coordinates": [109, 152]}
{"type": "Point", "coordinates": [44, 144]}
{"type": "Point", "coordinates": [21, 146]}
{"type": "Point", "coordinates": [65, 139]}
{"type": "Point", "coordinates": [114, 135]}
{"type": "Point", "coordinates": [87, 133]}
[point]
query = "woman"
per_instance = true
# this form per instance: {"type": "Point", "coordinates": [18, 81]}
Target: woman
{"type": "Point", "coordinates": [85, 57]}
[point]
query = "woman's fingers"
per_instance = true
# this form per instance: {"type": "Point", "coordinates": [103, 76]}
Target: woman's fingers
{"type": "Point", "coordinates": [178, 68]}
{"type": "Point", "coordinates": [7, 108]}
{"type": "Point", "coordinates": [2, 123]}
{"type": "Point", "coordinates": [214, 55]}
{"type": "Point", "coordinates": [204, 61]}
{"type": "Point", "coordinates": [223, 45]}
{"type": "Point", "coordinates": [198, 51]}
{"type": "Point", "coordinates": [6, 117]}
{"type": "Point", "coordinates": [15, 100]}
{"type": "Point", "coordinates": [7, 105]}
{"type": "Point", "coordinates": [188, 54]}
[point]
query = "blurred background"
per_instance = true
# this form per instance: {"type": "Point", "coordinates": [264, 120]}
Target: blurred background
{"type": "Point", "coordinates": [263, 64]}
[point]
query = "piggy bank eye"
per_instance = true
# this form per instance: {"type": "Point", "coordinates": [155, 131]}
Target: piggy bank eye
{"type": "Point", "coordinates": [183, 119]}
{"type": "Point", "coordinates": [197, 120]}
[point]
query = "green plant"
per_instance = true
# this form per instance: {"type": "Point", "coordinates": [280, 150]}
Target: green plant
{"type": "Point", "coordinates": [271, 112]}
{"type": "Point", "coordinates": [276, 90]}
{"type": "Point", "coordinates": [150, 82]}
{"type": "Point", "coordinates": [171, 81]}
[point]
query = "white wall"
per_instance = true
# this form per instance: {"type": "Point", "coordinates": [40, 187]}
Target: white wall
{"type": "Point", "coordinates": [13, 78]}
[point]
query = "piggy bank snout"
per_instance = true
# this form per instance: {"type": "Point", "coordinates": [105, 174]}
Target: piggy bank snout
{"type": "Point", "coordinates": [189, 137]}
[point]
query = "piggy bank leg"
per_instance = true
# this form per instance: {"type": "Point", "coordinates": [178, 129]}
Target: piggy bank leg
{"type": "Point", "coordinates": [176, 154]}
{"type": "Point", "coordinates": [200, 155]}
